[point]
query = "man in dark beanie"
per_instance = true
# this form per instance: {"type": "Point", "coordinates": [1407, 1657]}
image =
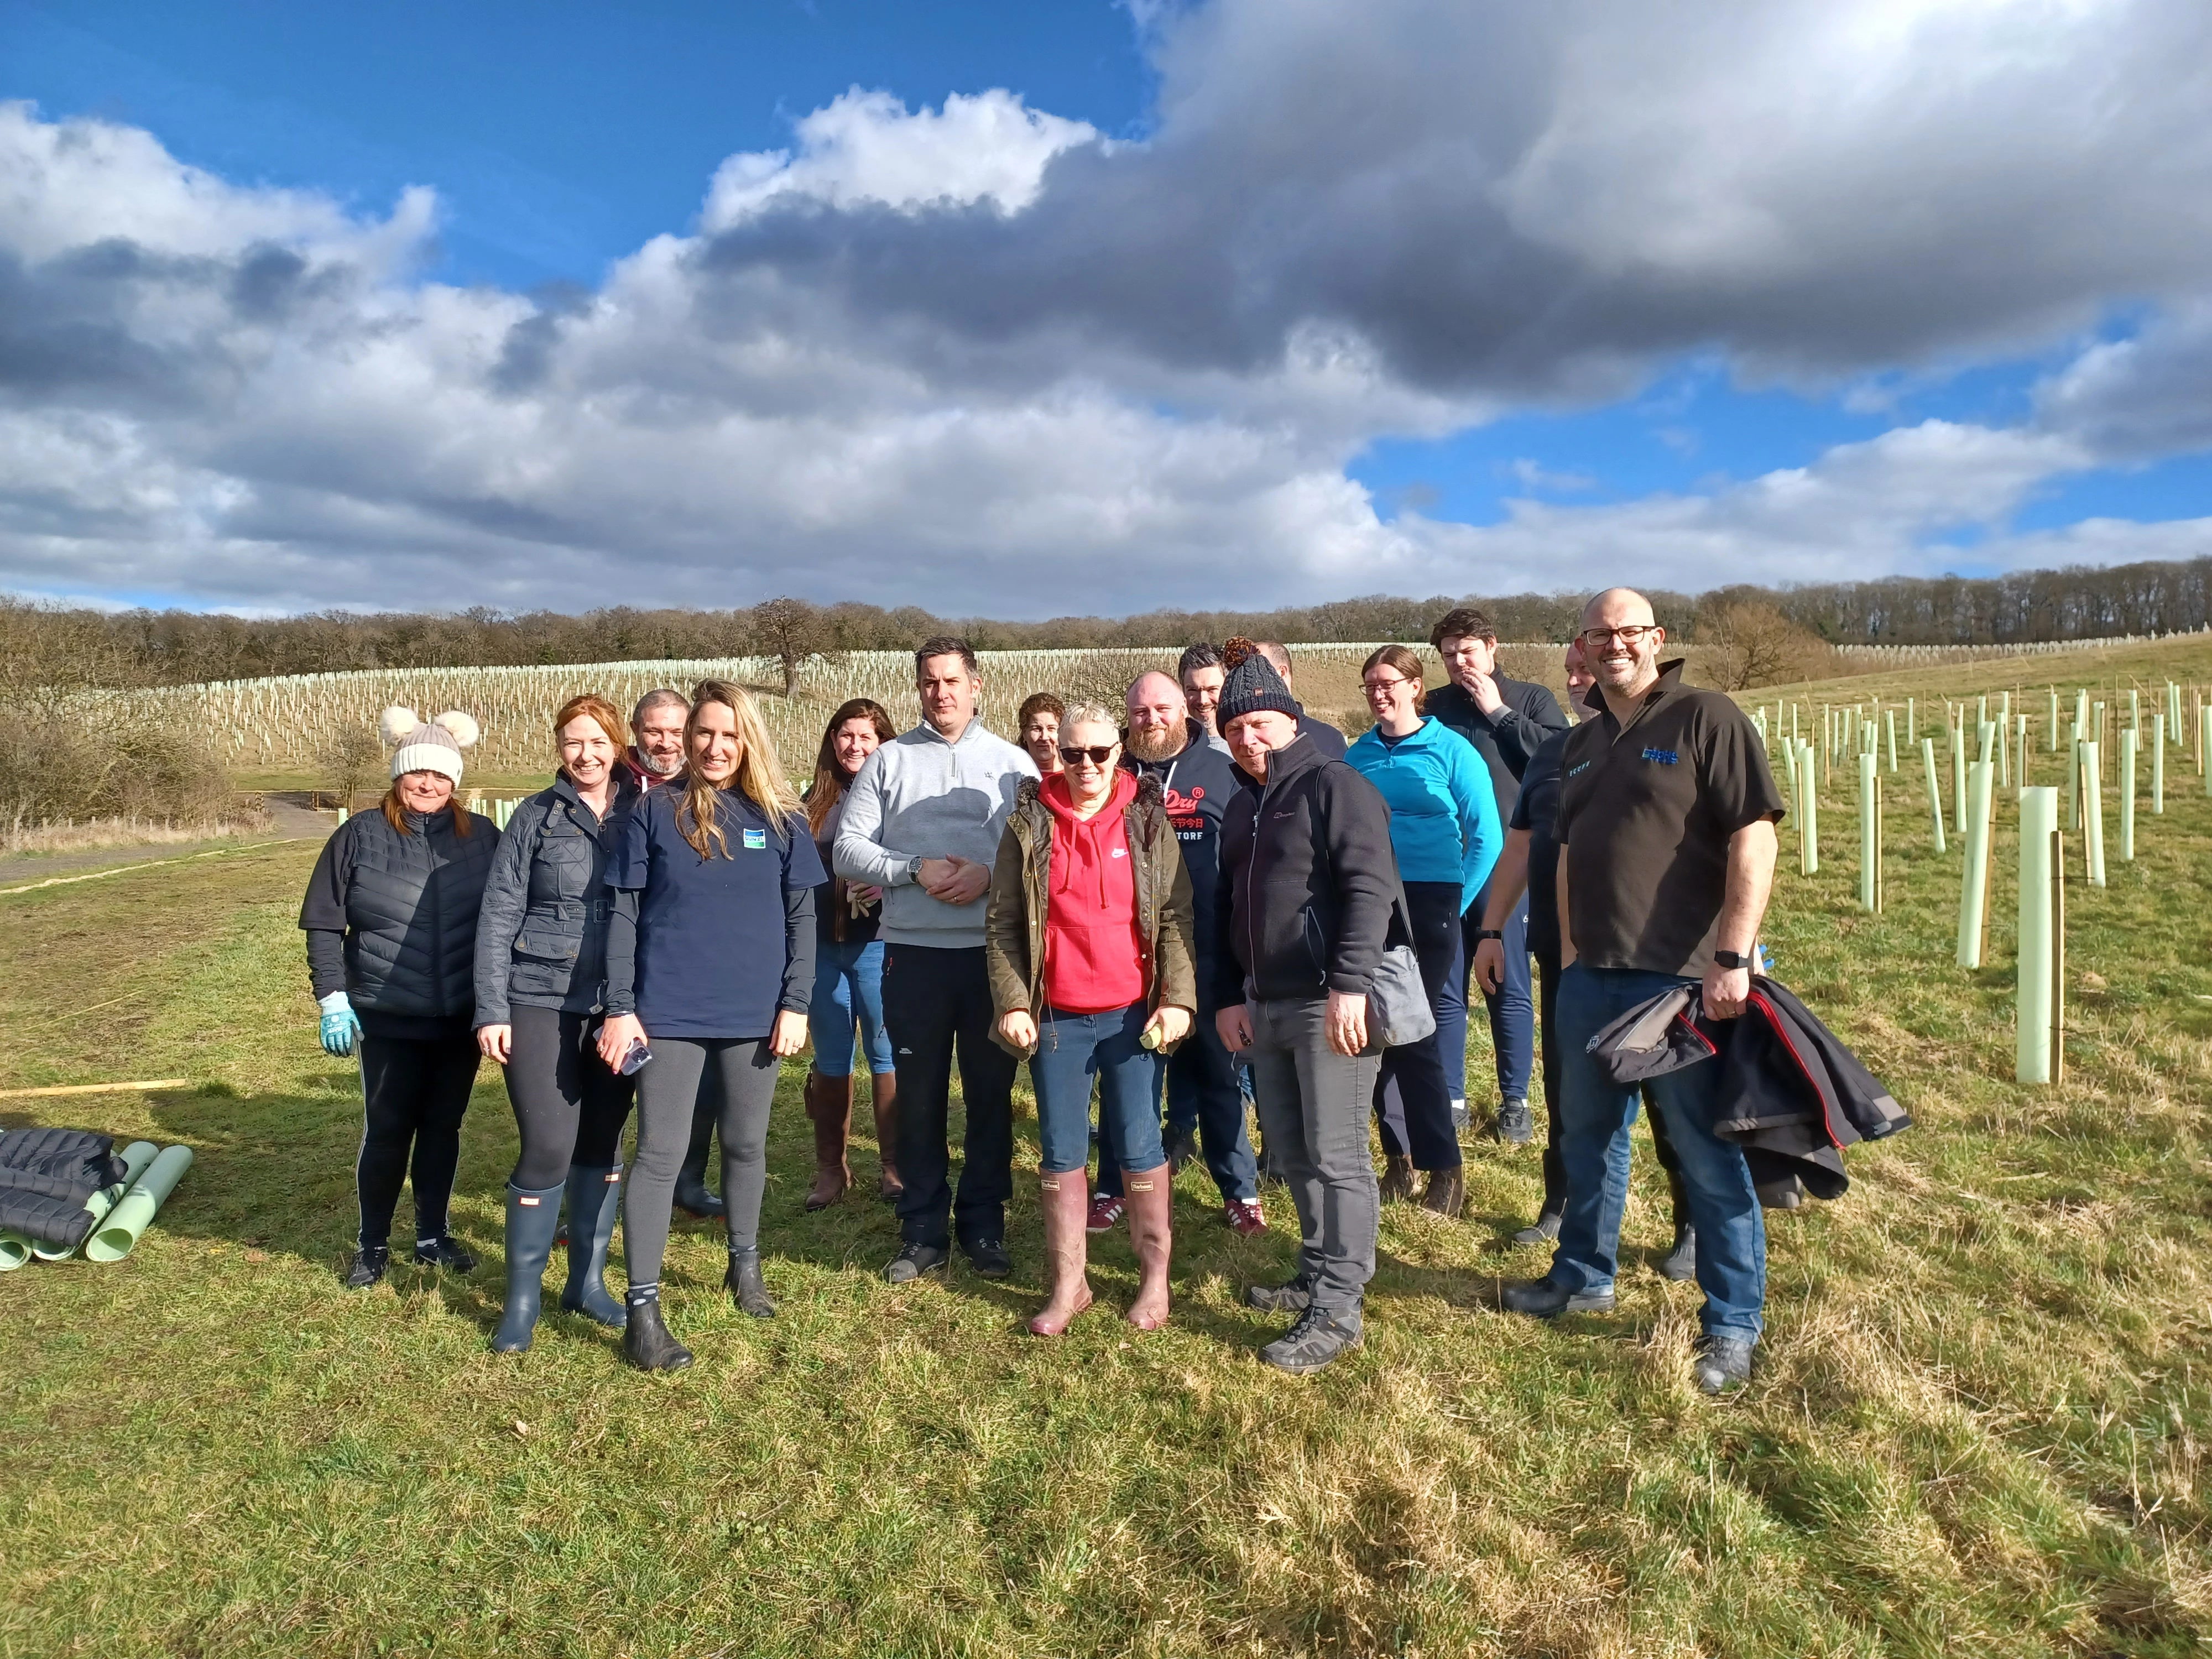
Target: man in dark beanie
{"type": "Point", "coordinates": [1311, 879]}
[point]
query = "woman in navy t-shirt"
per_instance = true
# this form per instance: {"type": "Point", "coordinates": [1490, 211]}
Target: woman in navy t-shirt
{"type": "Point", "coordinates": [710, 960]}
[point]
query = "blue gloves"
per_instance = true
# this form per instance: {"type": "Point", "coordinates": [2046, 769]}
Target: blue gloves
{"type": "Point", "coordinates": [341, 1025]}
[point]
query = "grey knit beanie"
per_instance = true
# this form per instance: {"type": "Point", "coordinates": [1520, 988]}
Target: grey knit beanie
{"type": "Point", "coordinates": [1252, 684]}
{"type": "Point", "coordinates": [433, 745]}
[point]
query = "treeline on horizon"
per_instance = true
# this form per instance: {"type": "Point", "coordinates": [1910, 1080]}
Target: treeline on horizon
{"type": "Point", "coordinates": [174, 647]}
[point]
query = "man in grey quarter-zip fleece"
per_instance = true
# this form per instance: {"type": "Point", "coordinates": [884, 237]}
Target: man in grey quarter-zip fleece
{"type": "Point", "coordinates": [922, 821]}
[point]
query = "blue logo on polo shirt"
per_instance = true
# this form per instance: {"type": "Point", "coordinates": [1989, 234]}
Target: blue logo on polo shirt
{"type": "Point", "coordinates": [1662, 757]}
{"type": "Point", "coordinates": [756, 840]}
{"type": "Point", "coordinates": [1578, 769]}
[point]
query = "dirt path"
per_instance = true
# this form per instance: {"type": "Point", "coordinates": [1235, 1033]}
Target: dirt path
{"type": "Point", "coordinates": [291, 820]}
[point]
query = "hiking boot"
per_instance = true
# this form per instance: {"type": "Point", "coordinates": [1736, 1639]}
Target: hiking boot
{"type": "Point", "coordinates": [1243, 1217]}
{"type": "Point", "coordinates": [745, 1285]}
{"type": "Point", "coordinates": [1317, 1339]}
{"type": "Point", "coordinates": [1182, 1147]}
{"type": "Point", "coordinates": [1106, 1209]}
{"type": "Point", "coordinates": [913, 1260]}
{"type": "Point", "coordinates": [1294, 1296]}
{"type": "Point", "coordinates": [1722, 1364]}
{"type": "Point", "coordinates": [1680, 1262]}
{"type": "Point", "coordinates": [368, 1266]}
{"type": "Point", "coordinates": [1397, 1184]}
{"type": "Point", "coordinates": [1540, 1299]}
{"type": "Point", "coordinates": [646, 1341]}
{"type": "Point", "coordinates": [1545, 1229]}
{"type": "Point", "coordinates": [988, 1257]}
{"type": "Point", "coordinates": [444, 1251]}
{"type": "Point", "coordinates": [1447, 1191]}
{"type": "Point", "coordinates": [1516, 1125]}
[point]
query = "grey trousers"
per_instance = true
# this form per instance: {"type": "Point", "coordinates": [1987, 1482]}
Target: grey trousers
{"type": "Point", "coordinates": [1314, 1105]}
{"type": "Point", "coordinates": [667, 1089]}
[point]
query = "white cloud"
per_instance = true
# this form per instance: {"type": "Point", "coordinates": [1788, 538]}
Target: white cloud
{"type": "Point", "coordinates": [979, 358]}
{"type": "Point", "coordinates": [864, 148]}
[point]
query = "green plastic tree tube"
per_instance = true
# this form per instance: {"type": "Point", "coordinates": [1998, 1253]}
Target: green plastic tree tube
{"type": "Point", "coordinates": [2039, 825]}
{"type": "Point", "coordinates": [2054, 719]}
{"type": "Point", "coordinates": [1973, 895]}
{"type": "Point", "coordinates": [14, 1250]}
{"type": "Point", "coordinates": [1935, 793]}
{"type": "Point", "coordinates": [2131, 745]}
{"type": "Point", "coordinates": [1870, 839]}
{"type": "Point", "coordinates": [1959, 779]}
{"type": "Point", "coordinates": [136, 1157]}
{"type": "Point", "coordinates": [118, 1234]}
{"type": "Point", "coordinates": [2158, 729]}
{"type": "Point", "coordinates": [2093, 810]}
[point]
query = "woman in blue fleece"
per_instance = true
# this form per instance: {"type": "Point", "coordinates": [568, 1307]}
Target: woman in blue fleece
{"type": "Point", "coordinates": [1444, 829]}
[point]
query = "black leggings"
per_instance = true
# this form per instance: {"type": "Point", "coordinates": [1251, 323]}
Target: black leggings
{"type": "Point", "coordinates": [568, 1107]}
{"type": "Point", "coordinates": [1420, 1069]}
{"type": "Point", "coordinates": [414, 1091]}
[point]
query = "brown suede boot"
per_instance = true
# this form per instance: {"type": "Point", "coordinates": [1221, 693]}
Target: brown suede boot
{"type": "Point", "coordinates": [829, 1104]}
{"type": "Point", "coordinates": [1447, 1191]}
{"type": "Point", "coordinates": [1151, 1207]}
{"type": "Point", "coordinates": [884, 1086]}
{"type": "Point", "coordinates": [1066, 1201]}
{"type": "Point", "coordinates": [1397, 1184]}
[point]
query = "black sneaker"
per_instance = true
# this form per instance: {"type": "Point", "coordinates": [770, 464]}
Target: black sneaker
{"type": "Point", "coordinates": [1516, 1125]}
{"type": "Point", "coordinates": [988, 1257]}
{"type": "Point", "coordinates": [1183, 1147]}
{"type": "Point", "coordinates": [368, 1267]}
{"type": "Point", "coordinates": [1317, 1339]}
{"type": "Point", "coordinates": [1295, 1297]}
{"type": "Point", "coordinates": [1543, 1299]}
{"type": "Point", "coordinates": [445, 1252]}
{"type": "Point", "coordinates": [913, 1260]}
{"type": "Point", "coordinates": [1722, 1364]}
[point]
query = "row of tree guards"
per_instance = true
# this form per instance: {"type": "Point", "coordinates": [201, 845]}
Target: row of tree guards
{"type": "Point", "coordinates": [1991, 749]}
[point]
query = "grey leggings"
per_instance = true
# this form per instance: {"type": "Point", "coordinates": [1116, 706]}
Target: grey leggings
{"type": "Point", "coordinates": [667, 1089]}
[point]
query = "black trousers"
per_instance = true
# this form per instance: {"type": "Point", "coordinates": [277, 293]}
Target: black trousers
{"type": "Point", "coordinates": [937, 1001]}
{"type": "Point", "coordinates": [568, 1107]}
{"type": "Point", "coordinates": [1555, 1179]}
{"type": "Point", "coordinates": [1417, 1112]}
{"type": "Point", "coordinates": [414, 1091]}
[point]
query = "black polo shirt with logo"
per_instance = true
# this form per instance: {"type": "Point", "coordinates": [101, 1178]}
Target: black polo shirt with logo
{"type": "Point", "coordinates": [1645, 813]}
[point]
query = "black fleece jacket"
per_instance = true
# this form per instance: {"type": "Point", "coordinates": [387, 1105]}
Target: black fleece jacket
{"type": "Point", "coordinates": [1307, 864]}
{"type": "Point", "coordinates": [1506, 741]}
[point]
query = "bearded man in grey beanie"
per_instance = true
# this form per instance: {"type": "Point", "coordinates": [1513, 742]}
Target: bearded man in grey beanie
{"type": "Point", "coordinates": [1311, 880]}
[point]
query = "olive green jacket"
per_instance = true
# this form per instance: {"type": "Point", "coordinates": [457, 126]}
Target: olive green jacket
{"type": "Point", "coordinates": [1021, 879]}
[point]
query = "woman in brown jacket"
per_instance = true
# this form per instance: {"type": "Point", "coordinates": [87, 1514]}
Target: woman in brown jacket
{"type": "Point", "coordinates": [1088, 944]}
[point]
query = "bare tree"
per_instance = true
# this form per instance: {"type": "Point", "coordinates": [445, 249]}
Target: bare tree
{"type": "Point", "coordinates": [794, 633]}
{"type": "Point", "coordinates": [351, 758]}
{"type": "Point", "coordinates": [1750, 642]}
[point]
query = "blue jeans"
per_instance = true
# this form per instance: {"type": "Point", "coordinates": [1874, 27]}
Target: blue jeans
{"type": "Point", "coordinates": [1203, 1092]}
{"type": "Point", "coordinates": [1512, 1009]}
{"type": "Point", "coordinates": [849, 986]}
{"type": "Point", "coordinates": [1072, 1050]}
{"type": "Point", "coordinates": [1596, 1113]}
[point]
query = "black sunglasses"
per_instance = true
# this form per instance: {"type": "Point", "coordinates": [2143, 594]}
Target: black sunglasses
{"type": "Point", "coordinates": [1099, 753]}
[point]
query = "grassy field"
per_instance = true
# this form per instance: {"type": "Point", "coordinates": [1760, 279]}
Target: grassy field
{"type": "Point", "coordinates": [1976, 1427]}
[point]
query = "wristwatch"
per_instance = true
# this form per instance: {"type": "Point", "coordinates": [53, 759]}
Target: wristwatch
{"type": "Point", "coordinates": [1482, 933]}
{"type": "Point", "coordinates": [914, 868]}
{"type": "Point", "coordinates": [1733, 958]}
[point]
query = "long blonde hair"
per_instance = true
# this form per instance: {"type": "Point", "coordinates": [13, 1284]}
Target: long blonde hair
{"type": "Point", "coordinates": [760, 774]}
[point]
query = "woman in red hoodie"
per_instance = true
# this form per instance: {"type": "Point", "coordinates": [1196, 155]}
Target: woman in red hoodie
{"type": "Point", "coordinates": [1088, 943]}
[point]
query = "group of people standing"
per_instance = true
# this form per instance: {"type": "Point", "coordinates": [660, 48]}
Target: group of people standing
{"type": "Point", "coordinates": [1160, 904]}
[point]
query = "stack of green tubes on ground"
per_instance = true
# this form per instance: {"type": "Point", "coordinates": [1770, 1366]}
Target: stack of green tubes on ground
{"type": "Point", "coordinates": [120, 1212]}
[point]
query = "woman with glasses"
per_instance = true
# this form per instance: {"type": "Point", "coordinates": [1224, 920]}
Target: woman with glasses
{"type": "Point", "coordinates": [710, 970]}
{"type": "Point", "coordinates": [1088, 944]}
{"type": "Point", "coordinates": [1444, 829]}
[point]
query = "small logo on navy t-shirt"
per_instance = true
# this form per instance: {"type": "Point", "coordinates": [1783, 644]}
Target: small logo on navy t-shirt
{"type": "Point", "coordinates": [756, 840]}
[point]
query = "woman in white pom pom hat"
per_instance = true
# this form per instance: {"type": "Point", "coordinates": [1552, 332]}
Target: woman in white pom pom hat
{"type": "Point", "coordinates": [391, 918]}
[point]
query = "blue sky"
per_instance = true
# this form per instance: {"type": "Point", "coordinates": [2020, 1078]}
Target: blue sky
{"type": "Point", "coordinates": [1185, 286]}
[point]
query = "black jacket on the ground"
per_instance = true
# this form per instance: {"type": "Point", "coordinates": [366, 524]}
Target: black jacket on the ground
{"type": "Point", "coordinates": [1790, 1094]}
{"type": "Point", "coordinates": [392, 919]}
{"type": "Point", "coordinates": [46, 1176]}
{"type": "Point", "coordinates": [1311, 879]}
{"type": "Point", "coordinates": [1506, 742]}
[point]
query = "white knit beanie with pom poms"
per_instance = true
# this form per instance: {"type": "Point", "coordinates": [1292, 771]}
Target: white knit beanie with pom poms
{"type": "Point", "coordinates": [433, 745]}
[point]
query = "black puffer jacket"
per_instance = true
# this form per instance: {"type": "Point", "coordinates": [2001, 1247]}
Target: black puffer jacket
{"type": "Point", "coordinates": [404, 907]}
{"type": "Point", "coordinates": [1309, 878]}
{"type": "Point", "coordinates": [542, 934]}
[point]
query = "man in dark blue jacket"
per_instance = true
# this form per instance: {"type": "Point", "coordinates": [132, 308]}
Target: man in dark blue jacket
{"type": "Point", "coordinates": [1197, 783]}
{"type": "Point", "coordinates": [1506, 720]}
